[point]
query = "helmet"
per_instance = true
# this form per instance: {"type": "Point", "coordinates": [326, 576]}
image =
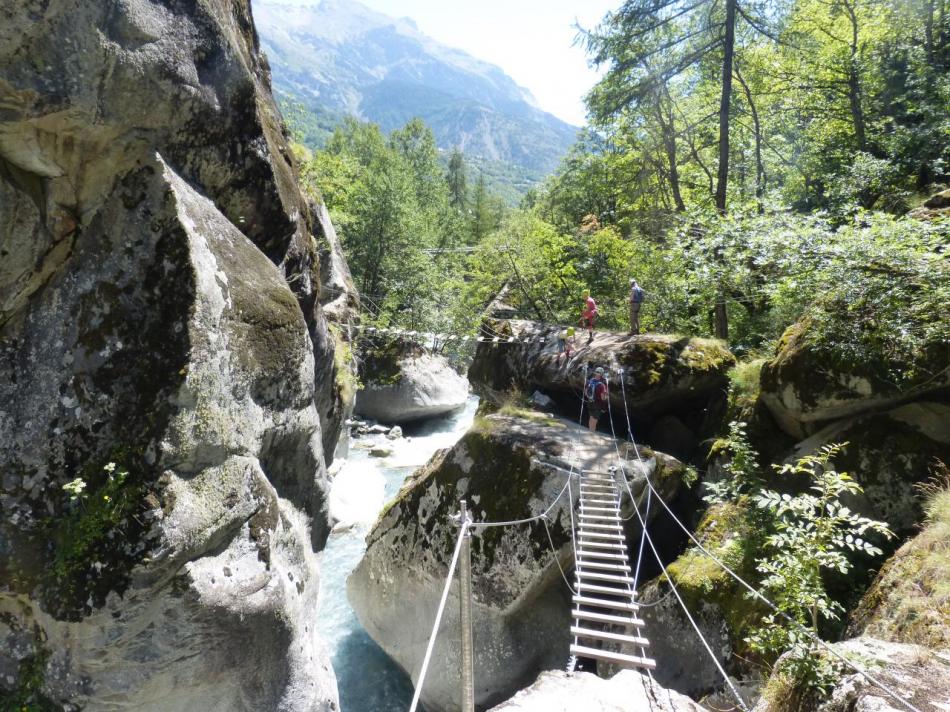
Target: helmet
{"type": "Point", "coordinates": [599, 371]}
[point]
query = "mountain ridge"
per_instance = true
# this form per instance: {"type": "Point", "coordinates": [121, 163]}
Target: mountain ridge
{"type": "Point", "coordinates": [342, 58]}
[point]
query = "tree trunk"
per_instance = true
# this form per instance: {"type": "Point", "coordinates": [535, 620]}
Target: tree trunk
{"type": "Point", "coordinates": [729, 42]}
{"type": "Point", "coordinates": [929, 32]}
{"type": "Point", "coordinates": [854, 82]}
{"type": "Point", "coordinates": [760, 176]}
{"type": "Point", "coordinates": [669, 144]}
{"type": "Point", "coordinates": [720, 316]}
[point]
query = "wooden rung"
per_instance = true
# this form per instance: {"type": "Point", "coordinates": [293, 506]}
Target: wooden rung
{"type": "Point", "coordinates": [606, 635]}
{"type": "Point", "coordinates": [610, 536]}
{"type": "Point", "coordinates": [595, 576]}
{"type": "Point", "coordinates": [588, 547]}
{"type": "Point", "coordinates": [600, 518]}
{"type": "Point", "coordinates": [592, 525]}
{"type": "Point", "coordinates": [585, 564]}
{"type": "Point", "coordinates": [607, 618]}
{"type": "Point", "coordinates": [604, 603]}
{"type": "Point", "coordinates": [607, 590]}
{"type": "Point", "coordinates": [583, 651]}
{"type": "Point", "coordinates": [608, 553]}
{"type": "Point", "coordinates": [586, 508]}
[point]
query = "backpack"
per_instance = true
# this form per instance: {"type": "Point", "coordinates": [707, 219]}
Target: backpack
{"type": "Point", "coordinates": [636, 295]}
{"type": "Point", "coordinates": [591, 392]}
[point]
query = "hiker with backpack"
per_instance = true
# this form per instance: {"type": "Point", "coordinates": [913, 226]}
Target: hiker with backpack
{"type": "Point", "coordinates": [589, 315]}
{"type": "Point", "coordinates": [595, 393]}
{"type": "Point", "coordinates": [636, 301]}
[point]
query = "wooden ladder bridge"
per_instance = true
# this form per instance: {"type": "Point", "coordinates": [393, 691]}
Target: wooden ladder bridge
{"type": "Point", "coordinates": [606, 625]}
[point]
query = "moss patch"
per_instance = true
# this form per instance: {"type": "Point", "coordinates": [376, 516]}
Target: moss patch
{"type": "Point", "coordinates": [28, 695]}
{"type": "Point", "coordinates": [732, 533]}
{"type": "Point", "coordinates": [380, 359]}
{"type": "Point", "coordinates": [909, 601]}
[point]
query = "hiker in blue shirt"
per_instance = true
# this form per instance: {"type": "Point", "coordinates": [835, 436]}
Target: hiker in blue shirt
{"type": "Point", "coordinates": [636, 301]}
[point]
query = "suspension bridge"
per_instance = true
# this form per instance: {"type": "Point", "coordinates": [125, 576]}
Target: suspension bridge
{"type": "Point", "coordinates": [605, 623]}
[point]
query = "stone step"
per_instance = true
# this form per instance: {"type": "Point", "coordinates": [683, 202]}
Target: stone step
{"type": "Point", "coordinates": [582, 632]}
{"type": "Point", "coordinates": [583, 651]}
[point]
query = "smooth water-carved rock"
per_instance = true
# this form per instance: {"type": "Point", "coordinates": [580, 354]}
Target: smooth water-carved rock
{"type": "Point", "coordinates": [662, 374]}
{"type": "Point", "coordinates": [628, 690]}
{"type": "Point", "coordinates": [402, 383]}
{"type": "Point", "coordinates": [507, 468]}
{"type": "Point", "coordinates": [160, 310]}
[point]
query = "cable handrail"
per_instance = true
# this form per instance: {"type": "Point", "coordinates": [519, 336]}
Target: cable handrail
{"type": "Point", "coordinates": [463, 530]}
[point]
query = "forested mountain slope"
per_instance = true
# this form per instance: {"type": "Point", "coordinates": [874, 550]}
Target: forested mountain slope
{"type": "Point", "coordinates": [342, 58]}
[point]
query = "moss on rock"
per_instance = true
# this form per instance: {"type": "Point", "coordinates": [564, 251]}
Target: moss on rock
{"type": "Point", "coordinates": [733, 534]}
{"type": "Point", "coordinates": [909, 601]}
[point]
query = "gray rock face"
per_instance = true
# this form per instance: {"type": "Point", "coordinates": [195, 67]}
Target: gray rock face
{"type": "Point", "coordinates": [158, 310]}
{"type": "Point", "coordinates": [627, 691]}
{"type": "Point", "coordinates": [507, 468]}
{"type": "Point", "coordinates": [683, 663]}
{"type": "Point", "coordinates": [426, 386]}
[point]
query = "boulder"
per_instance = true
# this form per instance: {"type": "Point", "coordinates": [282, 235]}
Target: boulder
{"type": "Point", "coordinates": [936, 207]}
{"type": "Point", "coordinates": [918, 675]}
{"type": "Point", "coordinates": [403, 383]}
{"type": "Point", "coordinates": [888, 453]}
{"type": "Point", "coordinates": [507, 467]}
{"type": "Point", "coordinates": [662, 374]}
{"type": "Point", "coordinates": [160, 355]}
{"type": "Point", "coordinates": [556, 691]}
{"type": "Point", "coordinates": [809, 381]}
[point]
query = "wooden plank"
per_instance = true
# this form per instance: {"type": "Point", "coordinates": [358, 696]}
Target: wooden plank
{"type": "Point", "coordinates": [607, 618]}
{"type": "Point", "coordinates": [619, 658]}
{"type": "Point", "coordinates": [582, 632]}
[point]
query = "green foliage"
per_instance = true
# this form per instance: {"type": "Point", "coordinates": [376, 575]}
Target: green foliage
{"type": "Point", "coordinates": [99, 506]}
{"type": "Point", "coordinates": [744, 385]}
{"type": "Point", "coordinates": [743, 476]}
{"type": "Point", "coordinates": [814, 533]}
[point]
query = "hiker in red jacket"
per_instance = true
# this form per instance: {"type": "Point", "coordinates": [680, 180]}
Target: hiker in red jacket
{"type": "Point", "coordinates": [595, 392]}
{"type": "Point", "coordinates": [589, 316]}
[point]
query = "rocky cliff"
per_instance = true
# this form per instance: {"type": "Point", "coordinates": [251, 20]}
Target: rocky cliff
{"type": "Point", "coordinates": [167, 379]}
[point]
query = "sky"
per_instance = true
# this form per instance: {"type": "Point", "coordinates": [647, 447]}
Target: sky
{"type": "Point", "coordinates": [530, 39]}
